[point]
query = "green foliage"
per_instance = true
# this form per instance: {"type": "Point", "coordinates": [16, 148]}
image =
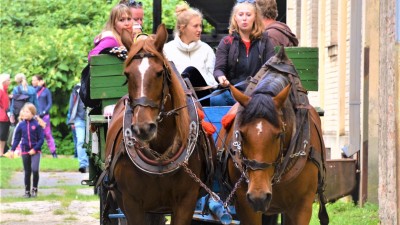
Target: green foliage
{"type": "Point", "coordinates": [52, 38]}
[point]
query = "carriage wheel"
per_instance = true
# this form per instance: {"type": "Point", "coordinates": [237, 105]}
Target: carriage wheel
{"type": "Point", "coordinates": [112, 208]}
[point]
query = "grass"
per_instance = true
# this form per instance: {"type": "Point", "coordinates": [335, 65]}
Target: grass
{"type": "Point", "coordinates": [20, 211]}
{"type": "Point", "coordinates": [47, 164]}
{"type": "Point", "coordinates": [339, 212]}
{"type": "Point", "coordinates": [342, 212]}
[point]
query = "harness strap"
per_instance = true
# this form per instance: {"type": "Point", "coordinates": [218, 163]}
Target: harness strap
{"type": "Point", "coordinates": [143, 101]}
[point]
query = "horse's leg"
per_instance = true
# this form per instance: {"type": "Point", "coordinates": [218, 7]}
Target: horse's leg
{"type": "Point", "coordinates": [245, 213]}
{"type": "Point", "coordinates": [135, 215]}
{"type": "Point", "coordinates": [270, 219]}
{"type": "Point", "coordinates": [155, 219]}
{"type": "Point", "coordinates": [182, 212]}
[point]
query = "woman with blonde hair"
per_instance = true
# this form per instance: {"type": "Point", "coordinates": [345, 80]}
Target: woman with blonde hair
{"type": "Point", "coordinates": [22, 92]}
{"type": "Point", "coordinates": [242, 53]}
{"type": "Point", "coordinates": [30, 133]}
{"type": "Point", "coordinates": [4, 105]}
{"type": "Point", "coordinates": [110, 37]}
{"type": "Point", "coordinates": [188, 53]}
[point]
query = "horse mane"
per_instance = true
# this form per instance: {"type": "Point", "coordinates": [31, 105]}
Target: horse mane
{"type": "Point", "coordinates": [262, 105]}
{"type": "Point", "coordinates": [177, 92]}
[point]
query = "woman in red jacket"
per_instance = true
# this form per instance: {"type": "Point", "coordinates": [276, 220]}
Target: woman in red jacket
{"type": "Point", "coordinates": [4, 105]}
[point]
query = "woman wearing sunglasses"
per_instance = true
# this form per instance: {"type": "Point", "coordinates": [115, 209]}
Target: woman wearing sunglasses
{"type": "Point", "coordinates": [242, 53]}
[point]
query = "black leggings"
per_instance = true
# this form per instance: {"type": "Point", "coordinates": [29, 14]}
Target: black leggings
{"type": "Point", "coordinates": [31, 165]}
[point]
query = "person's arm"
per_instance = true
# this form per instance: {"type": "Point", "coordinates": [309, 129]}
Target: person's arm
{"type": "Point", "coordinates": [71, 97]}
{"type": "Point", "coordinates": [221, 62]}
{"type": "Point", "coordinates": [49, 102]}
{"type": "Point", "coordinates": [14, 92]}
{"type": "Point", "coordinates": [106, 42]}
{"type": "Point", "coordinates": [16, 138]}
{"type": "Point", "coordinates": [269, 48]}
{"type": "Point", "coordinates": [210, 64]}
{"type": "Point", "coordinates": [40, 138]}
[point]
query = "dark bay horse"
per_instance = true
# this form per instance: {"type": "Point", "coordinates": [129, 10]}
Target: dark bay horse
{"type": "Point", "coordinates": [154, 139]}
{"type": "Point", "coordinates": [276, 145]}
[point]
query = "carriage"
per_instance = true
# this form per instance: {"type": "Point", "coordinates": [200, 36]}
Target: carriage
{"type": "Point", "coordinates": [106, 86]}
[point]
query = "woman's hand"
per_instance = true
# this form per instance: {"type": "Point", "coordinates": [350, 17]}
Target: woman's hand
{"type": "Point", "coordinates": [12, 119]}
{"type": "Point", "coordinates": [32, 152]}
{"type": "Point", "coordinates": [223, 81]}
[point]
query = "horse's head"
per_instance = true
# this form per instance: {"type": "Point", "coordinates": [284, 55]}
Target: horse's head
{"type": "Point", "coordinates": [261, 128]}
{"type": "Point", "coordinates": [152, 87]}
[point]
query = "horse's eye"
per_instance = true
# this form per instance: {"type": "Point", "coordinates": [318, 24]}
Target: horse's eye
{"type": "Point", "coordinates": [159, 74]}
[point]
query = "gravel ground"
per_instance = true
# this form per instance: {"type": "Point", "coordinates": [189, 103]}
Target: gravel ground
{"type": "Point", "coordinates": [49, 212]}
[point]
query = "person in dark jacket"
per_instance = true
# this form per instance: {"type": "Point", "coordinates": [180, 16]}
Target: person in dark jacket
{"type": "Point", "coordinates": [29, 134]}
{"type": "Point", "coordinates": [45, 102]}
{"type": "Point", "coordinates": [22, 88]}
{"type": "Point", "coordinates": [242, 53]}
{"type": "Point", "coordinates": [279, 33]}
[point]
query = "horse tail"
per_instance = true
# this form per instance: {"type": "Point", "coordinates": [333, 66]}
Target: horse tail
{"type": "Point", "coordinates": [322, 213]}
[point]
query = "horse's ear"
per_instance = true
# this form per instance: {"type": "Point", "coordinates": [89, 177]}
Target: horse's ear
{"type": "Point", "coordinates": [161, 37]}
{"type": "Point", "coordinates": [126, 38]}
{"type": "Point", "coordinates": [239, 96]}
{"type": "Point", "coordinates": [281, 55]}
{"type": "Point", "coordinates": [281, 97]}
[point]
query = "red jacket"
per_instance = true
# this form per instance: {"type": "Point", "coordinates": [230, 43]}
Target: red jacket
{"type": "Point", "coordinates": [4, 105]}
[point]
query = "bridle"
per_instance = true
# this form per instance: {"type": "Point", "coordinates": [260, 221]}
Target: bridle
{"type": "Point", "coordinates": [244, 164]}
{"type": "Point", "coordinates": [145, 101]}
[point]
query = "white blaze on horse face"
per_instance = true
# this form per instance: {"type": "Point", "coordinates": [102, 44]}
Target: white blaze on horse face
{"type": "Point", "coordinates": [144, 65]}
{"type": "Point", "coordinates": [259, 128]}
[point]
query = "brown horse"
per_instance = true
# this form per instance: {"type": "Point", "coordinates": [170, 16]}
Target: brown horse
{"type": "Point", "coordinates": [154, 140]}
{"type": "Point", "coordinates": [276, 146]}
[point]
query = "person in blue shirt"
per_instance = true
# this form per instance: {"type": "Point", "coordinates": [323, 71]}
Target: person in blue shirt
{"type": "Point", "coordinates": [29, 135]}
{"type": "Point", "coordinates": [22, 88]}
{"type": "Point", "coordinates": [45, 102]}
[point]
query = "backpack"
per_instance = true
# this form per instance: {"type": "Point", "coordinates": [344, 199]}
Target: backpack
{"type": "Point", "coordinates": [84, 92]}
{"type": "Point", "coordinates": [19, 101]}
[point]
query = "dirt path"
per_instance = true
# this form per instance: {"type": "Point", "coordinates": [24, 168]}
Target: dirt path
{"type": "Point", "coordinates": [34, 211]}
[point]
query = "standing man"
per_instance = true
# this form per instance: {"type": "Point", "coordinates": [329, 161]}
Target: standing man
{"type": "Point", "coordinates": [77, 120]}
{"type": "Point", "coordinates": [279, 33]}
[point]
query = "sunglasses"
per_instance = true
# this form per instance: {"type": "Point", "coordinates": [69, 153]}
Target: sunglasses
{"type": "Point", "coordinates": [249, 1]}
{"type": "Point", "coordinates": [134, 3]}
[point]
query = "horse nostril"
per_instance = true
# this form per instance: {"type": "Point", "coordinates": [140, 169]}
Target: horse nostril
{"type": "Point", "coordinates": [144, 131]}
{"type": "Point", "coordinates": [152, 128]}
{"type": "Point", "coordinates": [259, 202]}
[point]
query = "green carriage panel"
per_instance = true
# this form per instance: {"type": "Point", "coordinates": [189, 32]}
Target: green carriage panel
{"type": "Point", "coordinates": [106, 78]}
{"type": "Point", "coordinates": [305, 59]}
